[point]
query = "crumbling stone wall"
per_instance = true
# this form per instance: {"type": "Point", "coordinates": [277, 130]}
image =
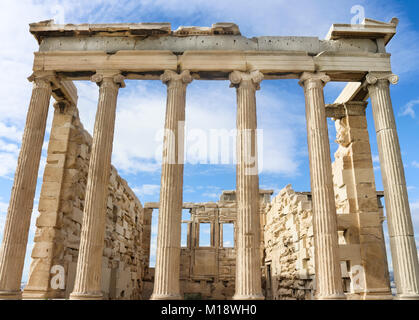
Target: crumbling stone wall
{"type": "Point", "coordinates": [57, 239]}
{"type": "Point", "coordinates": [289, 251]}
{"type": "Point", "coordinates": [208, 272]}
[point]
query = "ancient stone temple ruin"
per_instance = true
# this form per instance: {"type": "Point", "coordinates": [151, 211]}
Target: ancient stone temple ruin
{"type": "Point", "coordinates": [93, 234]}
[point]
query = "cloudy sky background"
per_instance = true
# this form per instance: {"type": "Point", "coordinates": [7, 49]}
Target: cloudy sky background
{"type": "Point", "coordinates": [210, 105]}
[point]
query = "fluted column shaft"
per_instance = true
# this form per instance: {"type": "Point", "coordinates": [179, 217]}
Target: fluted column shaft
{"type": "Point", "coordinates": [248, 268]}
{"type": "Point", "coordinates": [326, 249]}
{"type": "Point", "coordinates": [89, 265]}
{"type": "Point", "coordinates": [15, 237]}
{"type": "Point", "coordinates": [167, 270]}
{"type": "Point", "coordinates": [402, 240]}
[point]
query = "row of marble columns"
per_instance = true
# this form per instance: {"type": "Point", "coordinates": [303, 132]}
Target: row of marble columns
{"type": "Point", "coordinates": [248, 268]}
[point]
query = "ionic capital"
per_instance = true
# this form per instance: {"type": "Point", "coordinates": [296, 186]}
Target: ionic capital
{"type": "Point", "coordinates": [316, 79]}
{"type": "Point", "coordinates": [373, 78]}
{"type": "Point", "coordinates": [42, 79]}
{"type": "Point", "coordinates": [171, 78]}
{"type": "Point", "coordinates": [109, 78]}
{"type": "Point", "coordinates": [239, 78]}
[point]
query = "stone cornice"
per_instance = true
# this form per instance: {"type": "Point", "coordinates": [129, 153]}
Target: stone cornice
{"type": "Point", "coordinates": [48, 28]}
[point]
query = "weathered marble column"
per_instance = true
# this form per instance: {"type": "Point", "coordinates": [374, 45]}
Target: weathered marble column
{"type": "Point", "coordinates": [402, 240]}
{"type": "Point", "coordinates": [248, 267]}
{"type": "Point", "coordinates": [326, 249]}
{"type": "Point", "coordinates": [167, 270]}
{"type": "Point", "coordinates": [89, 265]}
{"type": "Point", "coordinates": [15, 237]}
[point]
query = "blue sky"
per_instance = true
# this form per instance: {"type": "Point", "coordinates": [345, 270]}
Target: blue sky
{"type": "Point", "coordinates": [210, 104]}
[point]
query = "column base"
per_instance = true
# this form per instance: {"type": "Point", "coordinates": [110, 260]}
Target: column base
{"type": "Point", "coordinates": [383, 295]}
{"type": "Point", "coordinates": [10, 295]}
{"type": "Point", "coordinates": [34, 295]}
{"type": "Point", "coordinates": [248, 297]}
{"type": "Point", "coordinates": [86, 296]}
{"type": "Point", "coordinates": [338, 296]}
{"type": "Point", "coordinates": [407, 296]}
{"type": "Point", "coordinates": [378, 297]}
{"type": "Point", "coordinates": [174, 296]}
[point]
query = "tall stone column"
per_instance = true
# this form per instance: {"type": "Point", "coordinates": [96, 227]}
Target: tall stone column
{"type": "Point", "coordinates": [167, 270]}
{"type": "Point", "coordinates": [248, 264]}
{"type": "Point", "coordinates": [326, 249]}
{"type": "Point", "coordinates": [15, 237]}
{"type": "Point", "coordinates": [402, 240]}
{"type": "Point", "coordinates": [89, 265]}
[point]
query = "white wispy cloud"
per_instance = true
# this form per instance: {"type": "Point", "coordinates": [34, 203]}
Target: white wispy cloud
{"type": "Point", "coordinates": [408, 110]}
{"type": "Point", "coordinates": [415, 164]}
{"type": "Point", "coordinates": [147, 189]}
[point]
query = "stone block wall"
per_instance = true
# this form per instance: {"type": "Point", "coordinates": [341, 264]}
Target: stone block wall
{"type": "Point", "coordinates": [61, 204]}
{"type": "Point", "coordinates": [289, 251]}
{"type": "Point", "coordinates": [208, 272]}
{"type": "Point", "coordinates": [361, 239]}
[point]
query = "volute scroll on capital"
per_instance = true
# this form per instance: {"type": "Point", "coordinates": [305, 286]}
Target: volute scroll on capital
{"type": "Point", "coordinates": [108, 77]}
{"type": "Point", "coordinates": [319, 78]}
{"type": "Point", "coordinates": [373, 78]}
{"type": "Point", "coordinates": [170, 76]}
{"type": "Point", "coordinates": [239, 77]}
{"type": "Point", "coordinates": [43, 79]}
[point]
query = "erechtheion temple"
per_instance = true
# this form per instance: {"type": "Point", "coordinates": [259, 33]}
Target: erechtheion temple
{"type": "Point", "coordinates": [92, 236]}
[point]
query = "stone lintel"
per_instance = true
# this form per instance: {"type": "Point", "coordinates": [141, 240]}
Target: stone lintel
{"type": "Point", "coordinates": [350, 108]}
{"type": "Point", "coordinates": [65, 90]}
{"type": "Point", "coordinates": [190, 205]}
{"type": "Point", "coordinates": [380, 194]}
{"type": "Point", "coordinates": [151, 205]}
{"type": "Point", "coordinates": [216, 64]}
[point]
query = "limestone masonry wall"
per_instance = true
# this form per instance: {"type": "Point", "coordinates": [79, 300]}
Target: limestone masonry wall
{"type": "Point", "coordinates": [289, 251]}
{"type": "Point", "coordinates": [57, 239]}
{"type": "Point", "coordinates": [208, 271]}
{"type": "Point", "coordinates": [359, 213]}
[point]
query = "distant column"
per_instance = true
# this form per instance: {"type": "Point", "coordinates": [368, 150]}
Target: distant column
{"type": "Point", "coordinates": [167, 270]}
{"type": "Point", "coordinates": [248, 265]}
{"type": "Point", "coordinates": [326, 249]}
{"type": "Point", "coordinates": [402, 240]}
{"type": "Point", "coordinates": [89, 265]}
{"type": "Point", "coordinates": [15, 237]}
